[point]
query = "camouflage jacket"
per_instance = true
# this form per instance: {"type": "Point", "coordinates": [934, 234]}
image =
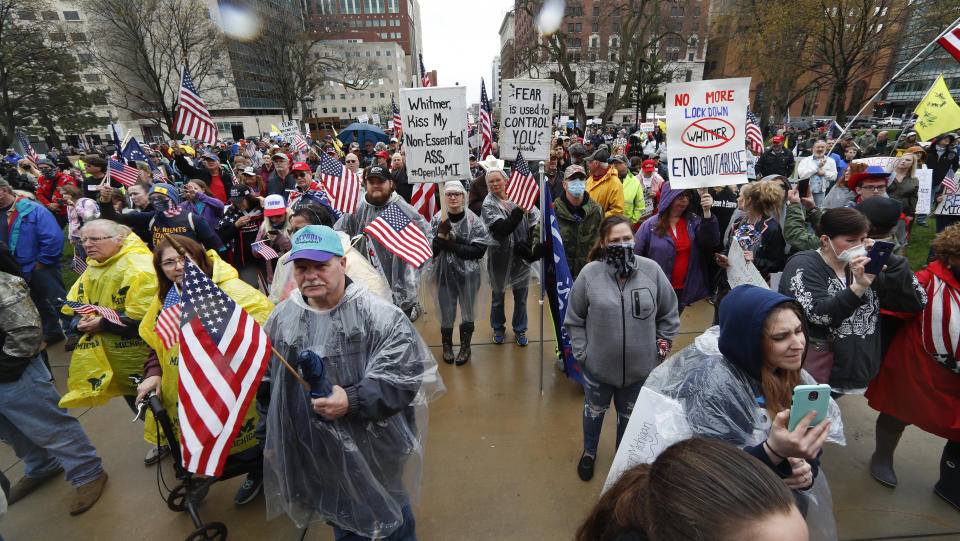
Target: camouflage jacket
{"type": "Point", "coordinates": [20, 333]}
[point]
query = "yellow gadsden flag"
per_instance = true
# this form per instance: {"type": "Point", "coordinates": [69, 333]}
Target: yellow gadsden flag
{"type": "Point", "coordinates": [937, 112]}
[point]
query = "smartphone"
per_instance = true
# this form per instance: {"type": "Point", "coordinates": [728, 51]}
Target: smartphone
{"type": "Point", "coordinates": [807, 398]}
{"type": "Point", "coordinates": [878, 256]}
{"type": "Point", "coordinates": [803, 187]}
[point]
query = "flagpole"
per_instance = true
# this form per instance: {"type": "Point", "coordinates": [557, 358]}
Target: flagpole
{"type": "Point", "coordinates": [898, 74]}
{"type": "Point", "coordinates": [543, 264]}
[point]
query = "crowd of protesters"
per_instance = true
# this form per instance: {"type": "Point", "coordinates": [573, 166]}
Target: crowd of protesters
{"type": "Point", "coordinates": [255, 217]}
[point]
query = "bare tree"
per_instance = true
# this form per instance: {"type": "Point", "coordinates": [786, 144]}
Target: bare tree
{"type": "Point", "coordinates": [142, 46]}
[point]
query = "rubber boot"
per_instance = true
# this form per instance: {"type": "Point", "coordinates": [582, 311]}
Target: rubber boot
{"type": "Point", "coordinates": [948, 487]}
{"type": "Point", "coordinates": [466, 333]}
{"type": "Point", "coordinates": [446, 337]}
{"type": "Point", "coordinates": [889, 430]}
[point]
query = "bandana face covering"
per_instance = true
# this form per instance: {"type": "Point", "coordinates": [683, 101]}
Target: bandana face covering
{"type": "Point", "coordinates": [620, 257]}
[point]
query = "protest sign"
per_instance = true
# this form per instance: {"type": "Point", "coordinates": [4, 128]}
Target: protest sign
{"type": "Point", "coordinates": [564, 119]}
{"type": "Point", "coordinates": [741, 271]}
{"type": "Point", "coordinates": [526, 118]}
{"type": "Point", "coordinates": [363, 119]}
{"type": "Point", "coordinates": [925, 176]}
{"type": "Point", "coordinates": [647, 127]}
{"type": "Point", "coordinates": [706, 123]}
{"type": "Point", "coordinates": [289, 130]}
{"type": "Point", "coordinates": [950, 205]}
{"type": "Point", "coordinates": [376, 118]}
{"type": "Point", "coordinates": [435, 133]}
{"type": "Point", "coordinates": [881, 161]}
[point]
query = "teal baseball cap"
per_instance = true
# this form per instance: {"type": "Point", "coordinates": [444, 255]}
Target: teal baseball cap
{"type": "Point", "coordinates": [315, 242]}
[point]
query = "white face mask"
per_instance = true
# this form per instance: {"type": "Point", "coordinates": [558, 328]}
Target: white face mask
{"type": "Point", "coordinates": [849, 253]}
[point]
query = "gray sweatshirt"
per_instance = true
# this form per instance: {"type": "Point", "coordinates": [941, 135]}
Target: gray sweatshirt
{"type": "Point", "coordinates": [614, 326]}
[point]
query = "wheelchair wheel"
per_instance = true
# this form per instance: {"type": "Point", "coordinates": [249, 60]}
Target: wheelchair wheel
{"type": "Point", "coordinates": [211, 531]}
{"type": "Point", "coordinates": [176, 500]}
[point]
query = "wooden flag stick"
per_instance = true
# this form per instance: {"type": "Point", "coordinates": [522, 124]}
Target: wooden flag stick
{"type": "Point", "coordinates": [183, 252]}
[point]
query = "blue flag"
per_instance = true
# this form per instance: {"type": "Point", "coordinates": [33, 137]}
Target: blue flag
{"type": "Point", "coordinates": [835, 130]}
{"type": "Point", "coordinates": [558, 282]}
{"type": "Point", "coordinates": [134, 152]}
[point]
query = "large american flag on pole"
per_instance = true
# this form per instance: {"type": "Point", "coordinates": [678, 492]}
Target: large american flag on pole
{"type": "Point", "coordinates": [424, 80]}
{"type": "Point", "coordinates": [27, 149]}
{"type": "Point", "coordinates": [951, 42]}
{"type": "Point", "coordinates": [223, 354]}
{"type": "Point", "coordinates": [754, 135]}
{"type": "Point", "coordinates": [193, 119]}
{"type": "Point", "coordinates": [123, 173]}
{"type": "Point", "coordinates": [523, 188]}
{"type": "Point", "coordinates": [342, 185]}
{"type": "Point", "coordinates": [397, 122]}
{"type": "Point", "coordinates": [399, 234]}
{"type": "Point", "coordinates": [486, 124]}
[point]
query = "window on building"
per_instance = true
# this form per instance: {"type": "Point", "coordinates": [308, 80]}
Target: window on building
{"type": "Point", "coordinates": [393, 6]}
{"type": "Point", "coordinates": [350, 7]}
{"type": "Point", "coordinates": [573, 42]}
{"type": "Point", "coordinates": [353, 109]}
{"type": "Point", "coordinates": [616, 27]}
{"type": "Point", "coordinates": [690, 55]}
{"type": "Point", "coordinates": [590, 100]}
{"type": "Point", "coordinates": [58, 36]}
{"type": "Point", "coordinates": [343, 96]}
{"type": "Point", "coordinates": [85, 57]}
{"type": "Point", "coordinates": [326, 7]}
{"type": "Point", "coordinates": [680, 11]}
{"type": "Point", "coordinates": [28, 16]}
{"type": "Point", "coordinates": [579, 27]}
{"type": "Point", "coordinates": [388, 53]}
{"type": "Point", "coordinates": [592, 77]}
{"type": "Point", "coordinates": [687, 76]}
{"type": "Point", "coordinates": [50, 15]}
{"type": "Point", "coordinates": [571, 27]}
{"type": "Point", "coordinates": [594, 42]}
{"type": "Point", "coordinates": [696, 12]}
{"type": "Point", "coordinates": [92, 77]}
{"type": "Point", "coordinates": [371, 94]}
{"type": "Point", "coordinates": [324, 110]}
{"type": "Point", "coordinates": [78, 36]}
{"type": "Point", "coordinates": [71, 15]}
{"type": "Point", "coordinates": [613, 56]}
{"type": "Point", "coordinates": [609, 98]}
{"type": "Point", "coordinates": [390, 67]}
{"type": "Point", "coordinates": [378, 53]}
{"type": "Point", "coordinates": [363, 109]}
{"type": "Point", "coordinates": [373, 6]}
{"type": "Point", "coordinates": [596, 11]}
{"type": "Point", "coordinates": [382, 95]}
{"type": "Point", "coordinates": [596, 27]}
{"type": "Point", "coordinates": [368, 53]}
{"type": "Point", "coordinates": [611, 77]}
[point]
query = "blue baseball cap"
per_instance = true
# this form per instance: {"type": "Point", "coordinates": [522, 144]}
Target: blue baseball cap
{"type": "Point", "coordinates": [315, 242]}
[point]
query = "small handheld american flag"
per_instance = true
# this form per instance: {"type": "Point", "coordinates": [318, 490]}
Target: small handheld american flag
{"type": "Point", "coordinates": [123, 173]}
{"type": "Point", "coordinates": [31, 154]}
{"type": "Point", "coordinates": [397, 122]}
{"type": "Point", "coordinates": [523, 188]}
{"type": "Point", "coordinates": [168, 320]}
{"type": "Point", "coordinates": [87, 309]}
{"type": "Point", "coordinates": [950, 185]}
{"type": "Point", "coordinates": [261, 248]}
{"type": "Point", "coordinates": [424, 79]}
{"type": "Point", "coordinates": [398, 234]}
{"type": "Point", "coordinates": [299, 142]}
{"type": "Point", "coordinates": [342, 184]}
{"type": "Point", "coordinates": [78, 265]}
{"type": "Point", "coordinates": [754, 135]}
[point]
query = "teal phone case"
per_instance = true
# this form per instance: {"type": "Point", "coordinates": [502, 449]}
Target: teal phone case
{"type": "Point", "coordinates": [807, 398]}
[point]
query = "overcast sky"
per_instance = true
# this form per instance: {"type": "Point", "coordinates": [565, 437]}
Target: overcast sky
{"type": "Point", "coordinates": [460, 40]}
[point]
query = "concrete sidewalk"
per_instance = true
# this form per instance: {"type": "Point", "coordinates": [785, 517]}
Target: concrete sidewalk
{"type": "Point", "coordinates": [500, 463]}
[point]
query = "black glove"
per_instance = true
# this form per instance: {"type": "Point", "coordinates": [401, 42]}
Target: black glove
{"type": "Point", "coordinates": [314, 371]}
{"type": "Point", "coordinates": [538, 252]}
{"type": "Point", "coordinates": [522, 250]}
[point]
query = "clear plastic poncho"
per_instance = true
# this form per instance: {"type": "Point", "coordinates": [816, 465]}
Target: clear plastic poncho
{"type": "Point", "coordinates": [697, 392]}
{"type": "Point", "coordinates": [359, 471]}
{"type": "Point", "coordinates": [451, 277]}
{"type": "Point", "coordinates": [505, 268]}
{"type": "Point", "coordinates": [403, 278]}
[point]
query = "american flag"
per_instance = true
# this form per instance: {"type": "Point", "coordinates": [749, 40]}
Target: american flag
{"type": "Point", "coordinates": [523, 188]}
{"type": "Point", "coordinates": [261, 248]}
{"type": "Point", "coordinates": [223, 354]}
{"type": "Point", "coordinates": [193, 119]}
{"type": "Point", "coordinates": [424, 80]}
{"type": "Point", "coordinates": [168, 321]}
{"type": "Point", "coordinates": [79, 264]}
{"type": "Point", "coordinates": [423, 199]}
{"type": "Point", "coordinates": [754, 135]}
{"type": "Point", "coordinates": [486, 124]}
{"type": "Point", "coordinates": [397, 233]}
{"type": "Point", "coordinates": [299, 142]}
{"type": "Point", "coordinates": [87, 309]}
{"type": "Point", "coordinates": [397, 122]}
{"type": "Point", "coordinates": [950, 184]}
{"type": "Point", "coordinates": [951, 42]}
{"type": "Point", "coordinates": [27, 149]}
{"type": "Point", "coordinates": [158, 177]}
{"type": "Point", "coordinates": [123, 173]}
{"type": "Point", "coordinates": [342, 184]}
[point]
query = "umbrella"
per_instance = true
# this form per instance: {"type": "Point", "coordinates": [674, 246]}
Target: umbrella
{"type": "Point", "coordinates": [362, 132]}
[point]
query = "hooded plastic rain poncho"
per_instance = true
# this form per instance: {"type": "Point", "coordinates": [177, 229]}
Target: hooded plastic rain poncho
{"type": "Point", "coordinates": [251, 300]}
{"type": "Point", "coordinates": [403, 278]}
{"type": "Point", "coordinates": [451, 275]}
{"type": "Point", "coordinates": [102, 362]}
{"type": "Point", "coordinates": [359, 471]}
{"type": "Point", "coordinates": [711, 389]}
{"type": "Point", "coordinates": [505, 265]}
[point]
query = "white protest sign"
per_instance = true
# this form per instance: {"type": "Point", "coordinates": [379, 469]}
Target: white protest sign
{"type": "Point", "coordinates": [706, 123]}
{"type": "Point", "coordinates": [950, 206]}
{"type": "Point", "coordinates": [741, 271]}
{"type": "Point", "coordinates": [363, 118]}
{"type": "Point", "coordinates": [526, 118]}
{"type": "Point", "coordinates": [435, 133]}
{"type": "Point", "coordinates": [647, 127]}
{"type": "Point", "coordinates": [289, 130]}
{"type": "Point", "coordinates": [882, 161]}
{"type": "Point", "coordinates": [389, 124]}
{"type": "Point", "coordinates": [924, 194]}
{"type": "Point", "coordinates": [376, 118]}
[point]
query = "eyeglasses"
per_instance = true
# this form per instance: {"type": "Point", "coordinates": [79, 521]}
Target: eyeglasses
{"type": "Point", "coordinates": [172, 263]}
{"type": "Point", "coordinates": [876, 189]}
{"type": "Point", "coordinates": [90, 240]}
{"type": "Point", "coordinates": [353, 161]}
{"type": "Point", "coordinates": [453, 194]}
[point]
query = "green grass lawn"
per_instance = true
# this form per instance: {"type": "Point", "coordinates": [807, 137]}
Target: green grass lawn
{"type": "Point", "coordinates": [919, 244]}
{"type": "Point", "coordinates": [69, 277]}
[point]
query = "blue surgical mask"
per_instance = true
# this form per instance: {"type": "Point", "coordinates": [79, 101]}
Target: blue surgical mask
{"type": "Point", "coordinates": [576, 187]}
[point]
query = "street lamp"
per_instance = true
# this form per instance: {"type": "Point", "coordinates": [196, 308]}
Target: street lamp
{"type": "Point", "coordinates": [575, 96]}
{"type": "Point", "coordinates": [309, 102]}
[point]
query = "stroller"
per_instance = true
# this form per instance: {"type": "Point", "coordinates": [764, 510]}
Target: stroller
{"type": "Point", "coordinates": [192, 489]}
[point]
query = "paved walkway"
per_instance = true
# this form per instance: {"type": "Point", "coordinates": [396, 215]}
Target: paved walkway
{"type": "Point", "coordinates": [500, 464]}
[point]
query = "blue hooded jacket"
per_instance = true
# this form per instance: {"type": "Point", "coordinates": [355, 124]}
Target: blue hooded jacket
{"type": "Point", "coordinates": [33, 235]}
{"type": "Point", "coordinates": [743, 313]}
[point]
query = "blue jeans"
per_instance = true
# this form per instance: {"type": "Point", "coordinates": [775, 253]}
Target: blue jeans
{"type": "Point", "coordinates": [46, 288]}
{"type": "Point", "coordinates": [406, 532]}
{"type": "Point", "coordinates": [596, 402]}
{"type": "Point", "coordinates": [498, 320]}
{"type": "Point", "coordinates": [41, 433]}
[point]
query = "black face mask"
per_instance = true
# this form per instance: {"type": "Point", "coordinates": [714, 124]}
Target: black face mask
{"type": "Point", "coordinates": [620, 257]}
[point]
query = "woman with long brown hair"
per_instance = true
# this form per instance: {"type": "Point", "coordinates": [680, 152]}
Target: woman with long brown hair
{"type": "Point", "coordinates": [696, 489]}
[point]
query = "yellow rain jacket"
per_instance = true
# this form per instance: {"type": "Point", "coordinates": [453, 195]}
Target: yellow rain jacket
{"type": "Point", "coordinates": [607, 192]}
{"type": "Point", "coordinates": [251, 300]}
{"type": "Point", "coordinates": [102, 361]}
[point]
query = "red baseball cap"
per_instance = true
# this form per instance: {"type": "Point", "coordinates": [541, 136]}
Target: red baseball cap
{"type": "Point", "coordinates": [382, 154]}
{"type": "Point", "coordinates": [777, 139]}
{"type": "Point", "coordinates": [649, 166]}
{"type": "Point", "coordinates": [300, 166]}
